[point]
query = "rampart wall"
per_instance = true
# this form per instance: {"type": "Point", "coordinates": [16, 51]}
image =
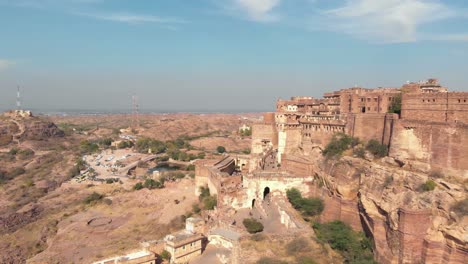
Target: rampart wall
{"type": "Point", "coordinates": [440, 145]}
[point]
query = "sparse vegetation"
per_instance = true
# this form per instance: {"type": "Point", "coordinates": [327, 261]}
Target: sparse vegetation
{"type": "Point", "coordinates": [428, 186]}
{"type": "Point", "coordinates": [87, 147]}
{"type": "Point", "coordinates": [297, 245]}
{"type": "Point", "coordinates": [155, 146]}
{"type": "Point", "coordinates": [93, 198]}
{"type": "Point", "coordinates": [138, 186]}
{"type": "Point", "coordinates": [221, 149]}
{"type": "Point", "coordinates": [354, 246]}
{"type": "Point", "coordinates": [209, 202]}
{"type": "Point", "coordinates": [307, 206]}
{"type": "Point", "coordinates": [395, 107]}
{"type": "Point", "coordinates": [338, 144]}
{"type": "Point", "coordinates": [125, 144]}
{"type": "Point", "coordinates": [165, 255]}
{"type": "Point", "coordinates": [360, 152]}
{"type": "Point", "coordinates": [377, 149]}
{"type": "Point", "coordinates": [252, 225]}
{"type": "Point", "coordinates": [461, 207]}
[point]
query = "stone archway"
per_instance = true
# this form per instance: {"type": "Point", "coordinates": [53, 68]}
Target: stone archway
{"type": "Point", "coordinates": [266, 191]}
{"type": "Point", "coordinates": [253, 203]}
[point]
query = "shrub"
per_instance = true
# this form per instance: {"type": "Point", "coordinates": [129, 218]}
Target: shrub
{"type": "Point", "coordinates": [377, 149]}
{"type": "Point", "coordinates": [252, 225]}
{"type": "Point", "coordinates": [338, 144]}
{"type": "Point", "coordinates": [210, 202]}
{"type": "Point", "coordinates": [138, 186]}
{"type": "Point", "coordinates": [125, 144]}
{"type": "Point", "coordinates": [92, 198]}
{"type": "Point", "coordinates": [165, 255]}
{"type": "Point", "coordinates": [354, 246]}
{"type": "Point", "coordinates": [395, 107]}
{"type": "Point", "coordinates": [221, 149]}
{"type": "Point", "coordinates": [461, 207]}
{"type": "Point", "coordinates": [297, 245]}
{"type": "Point", "coordinates": [152, 184]}
{"type": "Point", "coordinates": [201, 155]}
{"type": "Point", "coordinates": [359, 152]}
{"type": "Point", "coordinates": [190, 167]}
{"type": "Point", "coordinates": [144, 144]}
{"type": "Point", "coordinates": [196, 209]}
{"type": "Point", "coordinates": [308, 206]}
{"type": "Point", "coordinates": [204, 192]}
{"type": "Point", "coordinates": [429, 185]}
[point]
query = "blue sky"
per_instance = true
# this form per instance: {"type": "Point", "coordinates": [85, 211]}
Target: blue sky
{"type": "Point", "coordinates": [222, 55]}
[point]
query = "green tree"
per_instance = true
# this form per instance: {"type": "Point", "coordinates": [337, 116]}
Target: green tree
{"type": "Point", "coordinates": [354, 246]}
{"type": "Point", "coordinates": [428, 186]}
{"type": "Point", "coordinates": [377, 149]}
{"type": "Point", "coordinates": [165, 255]}
{"type": "Point", "coordinates": [221, 149]}
{"type": "Point", "coordinates": [252, 225]}
{"type": "Point", "coordinates": [138, 186]}
{"type": "Point", "coordinates": [395, 106]}
{"type": "Point", "coordinates": [307, 206]}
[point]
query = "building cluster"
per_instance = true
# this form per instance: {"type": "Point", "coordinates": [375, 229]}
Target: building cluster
{"type": "Point", "coordinates": [306, 123]}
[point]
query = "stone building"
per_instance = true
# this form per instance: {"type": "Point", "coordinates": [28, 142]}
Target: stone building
{"type": "Point", "coordinates": [306, 123]}
{"type": "Point", "coordinates": [185, 244]}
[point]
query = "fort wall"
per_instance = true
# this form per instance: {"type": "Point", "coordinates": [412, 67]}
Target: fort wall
{"type": "Point", "coordinates": [440, 145]}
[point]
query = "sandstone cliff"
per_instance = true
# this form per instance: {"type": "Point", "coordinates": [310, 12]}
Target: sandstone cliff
{"type": "Point", "coordinates": [407, 224]}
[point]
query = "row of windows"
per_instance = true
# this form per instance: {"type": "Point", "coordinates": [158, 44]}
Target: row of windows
{"type": "Point", "coordinates": [375, 99]}
{"type": "Point", "coordinates": [433, 100]}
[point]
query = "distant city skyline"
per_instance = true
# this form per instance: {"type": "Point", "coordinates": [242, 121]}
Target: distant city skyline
{"type": "Point", "coordinates": [221, 56]}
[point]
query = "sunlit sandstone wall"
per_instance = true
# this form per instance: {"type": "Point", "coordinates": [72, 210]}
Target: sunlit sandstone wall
{"type": "Point", "coordinates": [263, 133]}
{"type": "Point", "coordinates": [441, 145]}
{"type": "Point", "coordinates": [435, 107]}
{"type": "Point", "coordinates": [371, 126]}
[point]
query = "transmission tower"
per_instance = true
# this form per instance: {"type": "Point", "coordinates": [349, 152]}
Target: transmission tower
{"type": "Point", "coordinates": [18, 99]}
{"type": "Point", "coordinates": [135, 112]}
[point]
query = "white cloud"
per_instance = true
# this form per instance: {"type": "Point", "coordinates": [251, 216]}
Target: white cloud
{"type": "Point", "coordinates": [6, 64]}
{"type": "Point", "coordinates": [133, 18]}
{"type": "Point", "coordinates": [259, 10]}
{"type": "Point", "coordinates": [385, 20]}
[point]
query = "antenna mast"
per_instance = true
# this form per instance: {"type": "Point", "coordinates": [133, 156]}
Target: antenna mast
{"type": "Point", "coordinates": [135, 112]}
{"type": "Point", "coordinates": [18, 99]}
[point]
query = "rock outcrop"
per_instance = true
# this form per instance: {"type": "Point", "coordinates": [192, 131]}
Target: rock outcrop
{"type": "Point", "coordinates": [15, 127]}
{"type": "Point", "coordinates": [407, 224]}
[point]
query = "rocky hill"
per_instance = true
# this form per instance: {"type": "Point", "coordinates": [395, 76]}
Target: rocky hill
{"type": "Point", "coordinates": [22, 125]}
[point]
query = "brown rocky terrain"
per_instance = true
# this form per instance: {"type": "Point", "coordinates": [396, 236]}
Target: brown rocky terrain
{"type": "Point", "coordinates": [407, 223]}
{"type": "Point", "coordinates": [43, 218]}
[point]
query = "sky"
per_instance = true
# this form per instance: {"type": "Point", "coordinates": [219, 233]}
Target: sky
{"type": "Point", "coordinates": [221, 55]}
